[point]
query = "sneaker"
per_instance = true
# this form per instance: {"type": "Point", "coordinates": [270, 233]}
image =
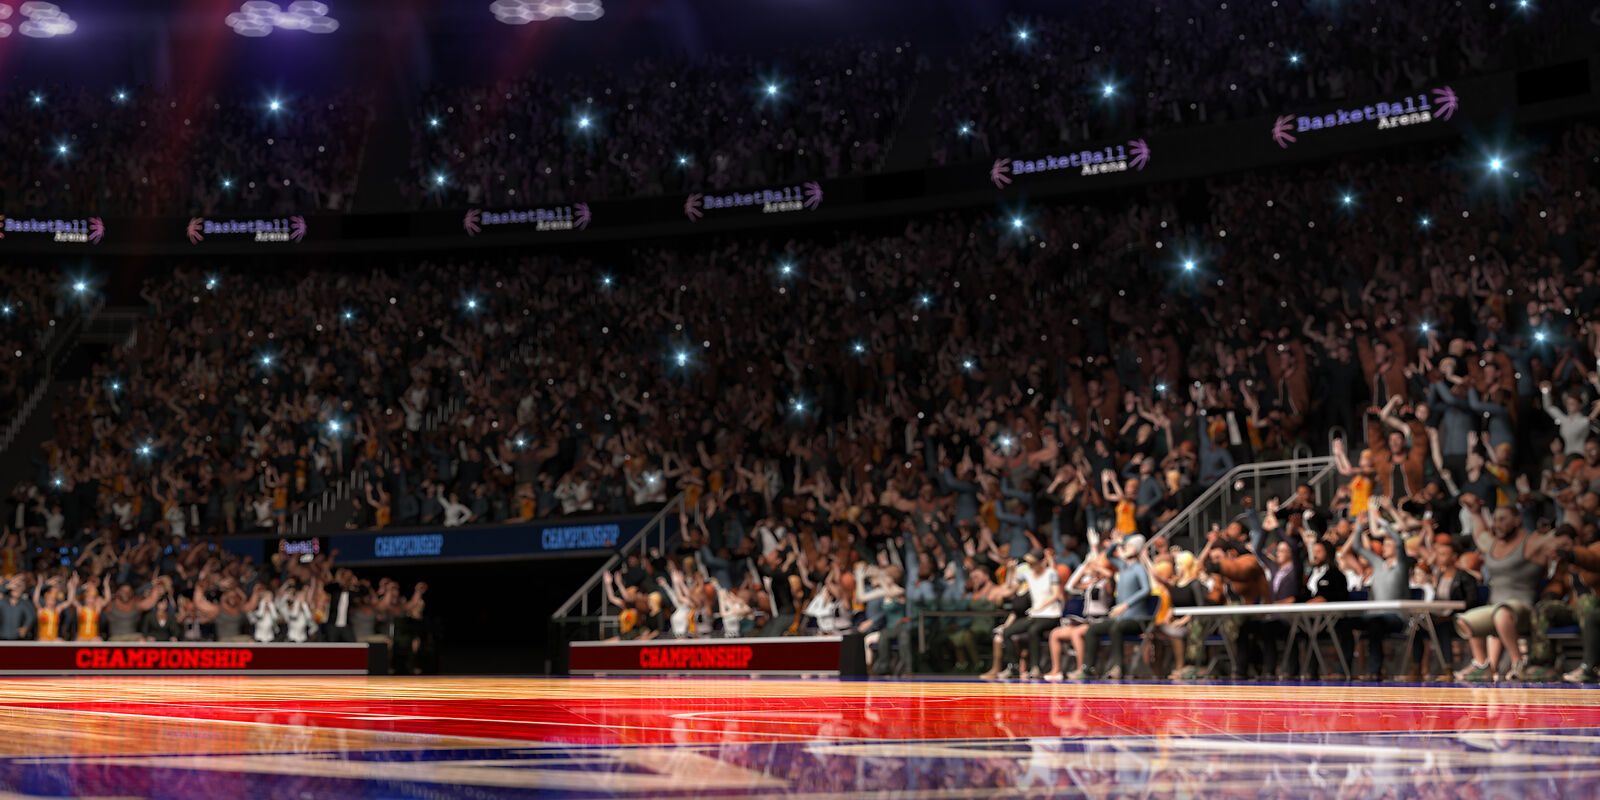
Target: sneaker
{"type": "Point", "coordinates": [1518, 672]}
{"type": "Point", "coordinates": [1476, 673]}
{"type": "Point", "coordinates": [1114, 674]}
{"type": "Point", "coordinates": [1054, 677]}
{"type": "Point", "coordinates": [1583, 674]}
{"type": "Point", "coordinates": [1083, 674]}
{"type": "Point", "coordinates": [1540, 673]}
{"type": "Point", "coordinates": [1033, 674]}
{"type": "Point", "coordinates": [1004, 675]}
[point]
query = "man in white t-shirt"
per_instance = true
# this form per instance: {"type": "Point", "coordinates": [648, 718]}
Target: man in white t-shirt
{"type": "Point", "coordinates": [456, 513]}
{"type": "Point", "coordinates": [1045, 601]}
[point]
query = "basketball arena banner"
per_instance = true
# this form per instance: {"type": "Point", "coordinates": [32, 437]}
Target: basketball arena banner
{"type": "Point", "coordinates": [575, 217]}
{"type": "Point", "coordinates": [81, 230]}
{"type": "Point", "coordinates": [1132, 155]}
{"type": "Point", "coordinates": [1437, 104]}
{"type": "Point", "coordinates": [772, 200]}
{"type": "Point", "coordinates": [271, 230]}
{"type": "Point", "coordinates": [1291, 135]}
{"type": "Point", "coordinates": [182, 658]}
{"type": "Point", "coordinates": [785, 655]}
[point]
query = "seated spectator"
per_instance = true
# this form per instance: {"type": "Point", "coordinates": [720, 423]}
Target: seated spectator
{"type": "Point", "coordinates": [1515, 562]}
{"type": "Point", "coordinates": [1129, 615]}
{"type": "Point", "coordinates": [1093, 580]}
{"type": "Point", "coordinates": [1022, 633]}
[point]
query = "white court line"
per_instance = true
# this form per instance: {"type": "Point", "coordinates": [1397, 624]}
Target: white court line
{"type": "Point", "coordinates": [369, 731]}
{"type": "Point", "coordinates": [1197, 740]}
{"type": "Point", "coordinates": [522, 742]}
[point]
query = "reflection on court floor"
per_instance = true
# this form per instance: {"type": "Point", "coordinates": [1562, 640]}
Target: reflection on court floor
{"type": "Point", "coordinates": [487, 738]}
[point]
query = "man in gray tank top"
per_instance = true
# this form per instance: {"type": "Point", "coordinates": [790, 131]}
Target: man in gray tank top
{"type": "Point", "coordinates": [1391, 580]}
{"type": "Point", "coordinates": [1514, 564]}
{"type": "Point", "coordinates": [123, 613]}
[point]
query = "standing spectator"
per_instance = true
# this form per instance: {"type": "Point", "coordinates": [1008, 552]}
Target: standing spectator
{"type": "Point", "coordinates": [17, 613]}
{"type": "Point", "coordinates": [345, 593]}
{"type": "Point", "coordinates": [160, 624]}
{"type": "Point", "coordinates": [783, 584]}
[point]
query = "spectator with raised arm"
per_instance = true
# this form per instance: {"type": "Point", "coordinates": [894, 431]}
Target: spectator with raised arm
{"type": "Point", "coordinates": [1020, 639]}
{"type": "Point", "coordinates": [1129, 615]}
{"type": "Point", "coordinates": [1514, 564]}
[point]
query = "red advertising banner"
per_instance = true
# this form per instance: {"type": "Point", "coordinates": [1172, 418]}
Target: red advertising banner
{"type": "Point", "coordinates": [788, 655]}
{"type": "Point", "coordinates": [180, 658]}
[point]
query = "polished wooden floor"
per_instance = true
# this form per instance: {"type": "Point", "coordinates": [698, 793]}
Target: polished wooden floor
{"type": "Point", "coordinates": [485, 738]}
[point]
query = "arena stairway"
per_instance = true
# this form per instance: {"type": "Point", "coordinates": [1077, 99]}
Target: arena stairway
{"type": "Point", "coordinates": [65, 362]}
{"type": "Point", "coordinates": [586, 614]}
{"type": "Point", "coordinates": [1224, 500]}
{"type": "Point", "coordinates": [919, 123]}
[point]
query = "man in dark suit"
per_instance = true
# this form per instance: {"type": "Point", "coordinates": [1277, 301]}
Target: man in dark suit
{"type": "Point", "coordinates": [342, 596]}
{"type": "Point", "coordinates": [1450, 582]}
{"type": "Point", "coordinates": [1325, 582]}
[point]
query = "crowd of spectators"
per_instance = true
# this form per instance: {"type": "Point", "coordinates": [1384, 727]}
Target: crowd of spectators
{"type": "Point", "coordinates": [1058, 406]}
{"type": "Point", "coordinates": [726, 121]}
{"type": "Point", "coordinates": [124, 588]}
{"type": "Point", "coordinates": [654, 127]}
{"type": "Point", "coordinates": [1042, 82]}
{"type": "Point", "coordinates": [143, 152]}
{"type": "Point", "coordinates": [935, 402]}
{"type": "Point", "coordinates": [243, 397]}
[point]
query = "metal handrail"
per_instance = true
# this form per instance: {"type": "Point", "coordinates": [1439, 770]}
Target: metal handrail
{"type": "Point", "coordinates": [1260, 481]}
{"type": "Point", "coordinates": [580, 598]}
{"type": "Point", "coordinates": [301, 521]}
{"type": "Point", "coordinates": [57, 344]}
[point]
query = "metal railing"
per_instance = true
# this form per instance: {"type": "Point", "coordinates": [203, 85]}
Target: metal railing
{"type": "Point", "coordinates": [356, 479]}
{"type": "Point", "coordinates": [57, 343]}
{"type": "Point", "coordinates": [588, 603]}
{"type": "Point", "coordinates": [117, 325]}
{"type": "Point", "coordinates": [1219, 504]}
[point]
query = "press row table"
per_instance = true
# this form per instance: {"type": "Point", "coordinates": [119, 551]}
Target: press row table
{"type": "Point", "coordinates": [1313, 619]}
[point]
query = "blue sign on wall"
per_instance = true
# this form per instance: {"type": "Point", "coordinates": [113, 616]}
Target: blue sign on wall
{"type": "Point", "coordinates": [528, 540]}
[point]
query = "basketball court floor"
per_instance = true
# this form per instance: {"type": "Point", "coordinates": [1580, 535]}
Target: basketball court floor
{"type": "Point", "coordinates": [721, 738]}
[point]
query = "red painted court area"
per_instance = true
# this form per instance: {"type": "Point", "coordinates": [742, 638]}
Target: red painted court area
{"type": "Point", "coordinates": [725, 738]}
{"type": "Point", "coordinates": [998, 713]}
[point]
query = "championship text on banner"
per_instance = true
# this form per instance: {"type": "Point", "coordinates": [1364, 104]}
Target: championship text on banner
{"type": "Point", "coordinates": [788, 655]}
{"type": "Point", "coordinates": [181, 658]}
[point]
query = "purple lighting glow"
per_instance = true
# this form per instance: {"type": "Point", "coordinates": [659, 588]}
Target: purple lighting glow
{"type": "Point", "coordinates": [259, 18]}
{"type": "Point", "coordinates": [522, 12]}
{"type": "Point", "coordinates": [40, 21]}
